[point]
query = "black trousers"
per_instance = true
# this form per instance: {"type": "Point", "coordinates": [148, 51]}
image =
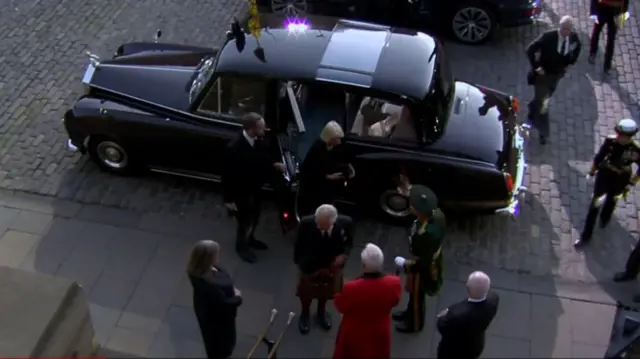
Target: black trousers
{"type": "Point", "coordinates": [612, 30]}
{"type": "Point", "coordinates": [611, 184]}
{"type": "Point", "coordinates": [633, 262]}
{"type": "Point", "coordinates": [247, 216]}
{"type": "Point", "coordinates": [415, 313]}
{"type": "Point", "coordinates": [543, 88]}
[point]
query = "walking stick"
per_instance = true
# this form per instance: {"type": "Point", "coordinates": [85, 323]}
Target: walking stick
{"type": "Point", "coordinates": [262, 337]}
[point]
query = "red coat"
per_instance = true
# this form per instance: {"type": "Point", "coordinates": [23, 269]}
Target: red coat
{"type": "Point", "coordinates": [366, 304]}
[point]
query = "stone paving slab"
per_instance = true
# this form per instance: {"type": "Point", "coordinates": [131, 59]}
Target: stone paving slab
{"type": "Point", "coordinates": [140, 299]}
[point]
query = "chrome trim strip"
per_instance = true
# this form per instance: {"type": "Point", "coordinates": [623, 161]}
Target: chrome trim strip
{"type": "Point", "coordinates": [519, 191]}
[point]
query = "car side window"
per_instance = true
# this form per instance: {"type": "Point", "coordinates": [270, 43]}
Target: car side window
{"type": "Point", "coordinates": [235, 96]}
{"type": "Point", "coordinates": [382, 119]}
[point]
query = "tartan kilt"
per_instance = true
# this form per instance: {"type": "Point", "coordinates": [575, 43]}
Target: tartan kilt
{"type": "Point", "coordinates": [321, 286]}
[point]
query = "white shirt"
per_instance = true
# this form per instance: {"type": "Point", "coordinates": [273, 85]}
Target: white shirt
{"type": "Point", "coordinates": [472, 300]}
{"type": "Point", "coordinates": [251, 140]}
{"type": "Point", "coordinates": [561, 40]}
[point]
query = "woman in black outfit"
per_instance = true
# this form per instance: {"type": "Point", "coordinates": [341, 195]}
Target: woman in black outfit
{"type": "Point", "coordinates": [215, 300]}
{"type": "Point", "coordinates": [325, 169]}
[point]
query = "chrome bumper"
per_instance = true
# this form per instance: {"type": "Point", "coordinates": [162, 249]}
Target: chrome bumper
{"type": "Point", "coordinates": [522, 131]}
{"type": "Point", "coordinates": [71, 147]}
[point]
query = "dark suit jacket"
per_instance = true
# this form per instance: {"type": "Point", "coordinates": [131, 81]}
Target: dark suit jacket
{"type": "Point", "coordinates": [605, 8]}
{"type": "Point", "coordinates": [216, 305]}
{"type": "Point", "coordinates": [463, 327]}
{"type": "Point", "coordinates": [245, 170]}
{"type": "Point", "coordinates": [313, 252]}
{"type": "Point", "coordinates": [546, 46]}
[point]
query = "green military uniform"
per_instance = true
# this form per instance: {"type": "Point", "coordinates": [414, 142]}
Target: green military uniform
{"type": "Point", "coordinates": [424, 269]}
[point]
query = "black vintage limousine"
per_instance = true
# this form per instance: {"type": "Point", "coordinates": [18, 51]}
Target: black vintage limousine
{"type": "Point", "coordinates": [173, 109]}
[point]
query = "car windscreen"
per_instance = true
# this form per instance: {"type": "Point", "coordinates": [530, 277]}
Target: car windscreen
{"type": "Point", "coordinates": [202, 76]}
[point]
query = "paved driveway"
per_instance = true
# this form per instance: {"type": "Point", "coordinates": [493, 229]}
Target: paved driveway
{"type": "Point", "coordinates": [41, 64]}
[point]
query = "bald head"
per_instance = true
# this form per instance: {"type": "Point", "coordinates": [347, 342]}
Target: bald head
{"type": "Point", "coordinates": [565, 26]}
{"type": "Point", "coordinates": [478, 285]}
{"type": "Point", "coordinates": [372, 258]}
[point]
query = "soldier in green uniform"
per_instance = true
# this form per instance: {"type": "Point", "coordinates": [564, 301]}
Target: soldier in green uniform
{"type": "Point", "coordinates": [424, 269]}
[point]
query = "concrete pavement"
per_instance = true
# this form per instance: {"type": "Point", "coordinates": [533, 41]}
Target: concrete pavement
{"type": "Point", "coordinates": [132, 266]}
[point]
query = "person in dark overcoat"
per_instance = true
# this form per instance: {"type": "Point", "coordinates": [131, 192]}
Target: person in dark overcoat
{"type": "Point", "coordinates": [550, 56]}
{"type": "Point", "coordinates": [462, 325]}
{"type": "Point", "coordinates": [606, 12]}
{"type": "Point", "coordinates": [248, 165]}
{"type": "Point", "coordinates": [322, 246]}
{"type": "Point", "coordinates": [324, 170]}
{"type": "Point", "coordinates": [215, 300]}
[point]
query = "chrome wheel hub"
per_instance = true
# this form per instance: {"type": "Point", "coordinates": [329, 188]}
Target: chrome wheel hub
{"type": "Point", "coordinates": [471, 24]}
{"type": "Point", "coordinates": [289, 7]}
{"type": "Point", "coordinates": [395, 204]}
{"type": "Point", "coordinates": [112, 155]}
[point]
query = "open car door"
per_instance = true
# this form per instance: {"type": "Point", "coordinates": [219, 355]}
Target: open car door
{"type": "Point", "coordinates": [286, 184]}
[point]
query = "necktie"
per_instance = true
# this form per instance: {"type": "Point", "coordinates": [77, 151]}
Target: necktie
{"type": "Point", "coordinates": [325, 234]}
{"type": "Point", "coordinates": [563, 49]}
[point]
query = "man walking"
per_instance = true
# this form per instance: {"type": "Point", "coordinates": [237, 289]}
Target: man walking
{"type": "Point", "coordinates": [247, 166]}
{"type": "Point", "coordinates": [550, 55]}
{"type": "Point", "coordinates": [462, 325]}
{"type": "Point", "coordinates": [365, 304]}
{"type": "Point", "coordinates": [631, 268]}
{"type": "Point", "coordinates": [611, 13]}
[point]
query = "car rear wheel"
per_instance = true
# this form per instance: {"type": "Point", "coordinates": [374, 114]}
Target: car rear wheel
{"type": "Point", "coordinates": [289, 7]}
{"type": "Point", "coordinates": [395, 204]}
{"type": "Point", "coordinates": [110, 155]}
{"type": "Point", "coordinates": [472, 24]}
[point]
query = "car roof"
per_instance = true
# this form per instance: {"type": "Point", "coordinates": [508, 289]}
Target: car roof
{"type": "Point", "coordinates": [395, 60]}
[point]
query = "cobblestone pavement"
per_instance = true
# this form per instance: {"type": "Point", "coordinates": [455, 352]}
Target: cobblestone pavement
{"type": "Point", "coordinates": [42, 61]}
{"type": "Point", "coordinates": [132, 268]}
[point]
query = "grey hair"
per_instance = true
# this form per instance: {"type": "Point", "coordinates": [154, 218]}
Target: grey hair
{"type": "Point", "coordinates": [327, 210]}
{"type": "Point", "coordinates": [331, 130]}
{"type": "Point", "coordinates": [478, 284]}
{"type": "Point", "coordinates": [372, 257]}
{"type": "Point", "coordinates": [566, 20]}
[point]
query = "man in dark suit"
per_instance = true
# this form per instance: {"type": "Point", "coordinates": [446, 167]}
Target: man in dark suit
{"type": "Point", "coordinates": [550, 55]}
{"type": "Point", "coordinates": [247, 166]}
{"type": "Point", "coordinates": [606, 12]}
{"type": "Point", "coordinates": [322, 246]}
{"type": "Point", "coordinates": [462, 325]}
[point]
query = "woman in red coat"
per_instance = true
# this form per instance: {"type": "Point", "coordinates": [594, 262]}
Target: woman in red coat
{"type": "Point", "coordinates": [366, 304]}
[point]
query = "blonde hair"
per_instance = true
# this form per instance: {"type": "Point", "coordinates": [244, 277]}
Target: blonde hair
{"type": "Point", "coordinates": [331, 130]}
{"type": "Point", "coordinates": [202, 257]}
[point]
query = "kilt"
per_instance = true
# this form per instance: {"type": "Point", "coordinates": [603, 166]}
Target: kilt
{"type": "Point", "coordinates": [323, 285]}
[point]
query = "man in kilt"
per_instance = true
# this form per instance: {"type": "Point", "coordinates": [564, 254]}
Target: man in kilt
{"type": "Point", "coordinates": [424, 268]}
{"type": "Point", "coordinates": [323, 243]}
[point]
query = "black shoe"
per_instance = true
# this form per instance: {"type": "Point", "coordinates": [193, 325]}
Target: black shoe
{"type": "Point", "coordinates": [623, 277]}
{"type": "Point", "coordinates": [543, 140]}
{"type": "Point", "coordinates": [592, 59]}
{"type": "Point", "coordinates": [399, 316]}
{"type": "Point", "coordinates": [258, 245]}
{"type": "Point", "coordinates": [324, 320]}
{"type": "Point", "coordinates": [582, 241]}
{"type": "Point", "coordinates": [405, 328]}
{"type": "Point", "coordinates": [303, 324]}
{"type": "Point", "coordinates": [247, 255]}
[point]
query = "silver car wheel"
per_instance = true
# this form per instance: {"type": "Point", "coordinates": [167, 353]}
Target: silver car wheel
{"type": "Point", "coordinates": [395, 204]}
{"type": "Point", "coordinates": [112, 155]}
{"type": "Point", "coordinates": [471, 24]}
{"type": "Point", "coordinates": [289, 7]}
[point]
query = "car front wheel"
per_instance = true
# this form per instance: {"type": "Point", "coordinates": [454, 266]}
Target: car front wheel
{"type": "Point", "coordinates": [472, 24]}
{"type": "Point", "coordinates": [110, 155]}
{"type": "Point", "coordinates": [289, 7]}
{"type": "Point", "coordinates": [395, 204]}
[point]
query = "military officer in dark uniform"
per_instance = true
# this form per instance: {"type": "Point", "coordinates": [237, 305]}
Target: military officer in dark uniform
{"type": "Point", "coordinates": [606, 12]}
{"type": "Point", "coordinates": [424, 269]}
{"type": "Point", "coordinates": [612, 170]}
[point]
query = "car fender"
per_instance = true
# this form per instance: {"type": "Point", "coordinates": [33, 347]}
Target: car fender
{"type": "Point", "coordinates": [137, 47]}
